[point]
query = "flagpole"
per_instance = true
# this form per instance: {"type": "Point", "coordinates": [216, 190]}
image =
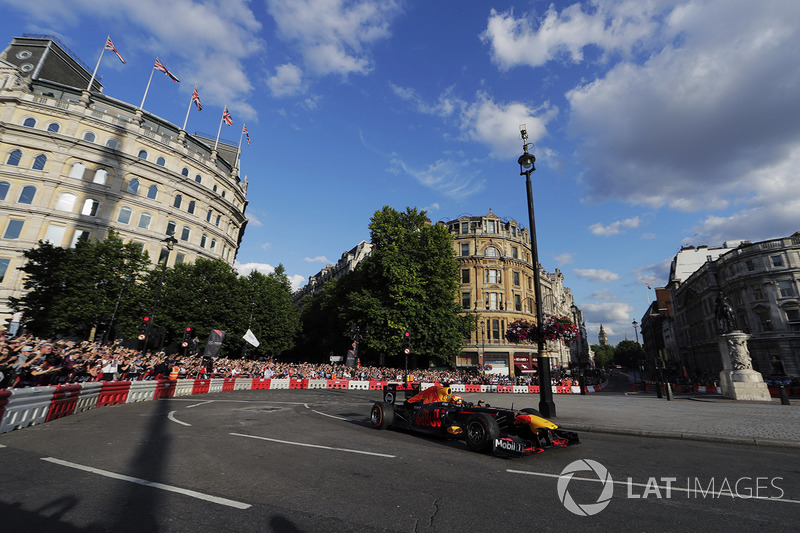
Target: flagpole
{"type": "Point", "coordinates": [147, 88]}
{"type": "Point", "coordinates": [191, 101]}
{"type": "Point", "coordinates": [239, 148]}
{"type": "Point", "coordinates": [220, 128]}
{"type": "Point", "coordinates": [103, 51]}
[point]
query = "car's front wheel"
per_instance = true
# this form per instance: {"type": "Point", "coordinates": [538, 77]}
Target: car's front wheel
{"type": "Point", "coordinates": [382, 415]}
{"type": "Point", "coordinates": [481, 432]}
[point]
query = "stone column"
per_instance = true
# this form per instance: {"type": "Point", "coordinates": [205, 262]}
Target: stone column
{"type": "Point", "coordinates": [738, 379]}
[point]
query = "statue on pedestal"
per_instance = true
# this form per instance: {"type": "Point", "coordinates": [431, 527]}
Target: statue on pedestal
{"type": "Point", "coordinates": [725, 316]}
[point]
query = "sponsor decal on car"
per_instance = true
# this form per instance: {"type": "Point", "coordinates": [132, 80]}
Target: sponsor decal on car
{"type": "Point", "coordinates": [508, 445]}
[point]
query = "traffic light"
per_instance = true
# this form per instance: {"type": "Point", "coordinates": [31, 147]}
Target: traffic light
{"type": "Point", "coordinates": [407, 343]}
{"type": "Point", "coordinates": [187, 334]}
{"type": "Point", "coordinates": [143, 328]}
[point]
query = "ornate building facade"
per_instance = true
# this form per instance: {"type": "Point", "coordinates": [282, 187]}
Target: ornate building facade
{"type": "Point", "coordinates": [497, 289]}
{"type": "Point", "coordinates": [76, 163]}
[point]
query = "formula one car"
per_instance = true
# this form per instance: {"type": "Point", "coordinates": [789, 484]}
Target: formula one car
{"type": "Point", "coordinates": [436, 411]}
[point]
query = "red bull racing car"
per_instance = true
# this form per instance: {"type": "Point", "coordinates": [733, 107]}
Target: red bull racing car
{"type": "Point", "coordinates": [436, 411]}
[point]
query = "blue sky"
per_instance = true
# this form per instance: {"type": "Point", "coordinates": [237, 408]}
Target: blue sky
{"type": "Point", "coordinates": [655, 124]}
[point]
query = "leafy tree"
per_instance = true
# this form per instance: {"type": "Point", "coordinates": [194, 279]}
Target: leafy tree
{"type": "Point", "coordinates": [629, 354]}
{"type": "Point", "coordinates": [273, 319]}
{"type": "Point", "coordinates": [603, 355]}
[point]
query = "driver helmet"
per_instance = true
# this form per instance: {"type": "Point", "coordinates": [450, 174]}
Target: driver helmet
{"type": "Point", "coordinates": [456, 399]}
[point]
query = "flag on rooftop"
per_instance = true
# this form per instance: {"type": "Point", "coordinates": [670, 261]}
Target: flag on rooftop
{"type": "Point", "coordinates": [226, 117]}
{"type": "Point", "coordinates": [162, 68]}
{"type": "Point", "coordinates": [246, 133]}
{"type": "Point", "coordinates": [110, 46]}
{"type": "Point", "coordinates": [196, 99]}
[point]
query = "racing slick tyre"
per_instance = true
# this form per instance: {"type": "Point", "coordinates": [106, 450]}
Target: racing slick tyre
{"type": "Point", "coordinates": [530, 411]}
{"type": "Point", "coordinates": [481, 432]}
{"type": "Point", "coordinates": [382, 415]}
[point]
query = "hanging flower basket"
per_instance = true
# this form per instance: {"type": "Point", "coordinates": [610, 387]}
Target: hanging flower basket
{"type": "Point", "coordinates": [553, 328]}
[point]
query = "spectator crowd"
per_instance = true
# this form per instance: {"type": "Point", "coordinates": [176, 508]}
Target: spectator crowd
{"type": "Point", "coordinates": [27, 361]}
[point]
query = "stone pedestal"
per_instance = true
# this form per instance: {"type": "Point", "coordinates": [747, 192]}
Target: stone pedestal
{"type": "Point", "coordinates": [738, 380]}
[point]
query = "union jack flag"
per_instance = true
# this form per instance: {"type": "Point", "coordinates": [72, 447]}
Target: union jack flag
{"type": "Point", "coordinates": [196, 99]}
{"type": "Point", "coordinates": [110, 46]}
{"type": "Point", "coordinates": [246, 133]}
{"type": "Point", "coordinates": [162, 68]}
{"type": "Point", "coordinates": [226, 117]}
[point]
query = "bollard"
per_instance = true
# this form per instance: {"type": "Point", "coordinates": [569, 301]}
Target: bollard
{"type": "Point", "coordinates": [669, 391]}
{"type": "Point", "coordinates": [784, 395]}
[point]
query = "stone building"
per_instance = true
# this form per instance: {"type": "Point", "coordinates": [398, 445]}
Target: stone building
{"type": "Point", "coordinates": [76, 163]}
{"type": "Point", "coordinates": [497, 289]}
{"type": "Point", "coordinates": [346, 264]}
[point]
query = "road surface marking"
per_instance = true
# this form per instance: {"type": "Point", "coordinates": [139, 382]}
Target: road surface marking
{"type": "Point", "coordinates": [170, 488]}
{"type": "Point", "coordinates": [331, 416]}
{"type": "Point", "coordinates": [197, 404]}
{"type": "Point", "coordinates": [171, 416]}
{"type": "Point", "coordinates": [673, 488]}
{"type": "Point", "coordinates": [314, 446]}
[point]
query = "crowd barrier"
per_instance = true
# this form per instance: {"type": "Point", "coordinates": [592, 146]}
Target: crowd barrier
{"type": "Point", "coordinates": [20, 408]}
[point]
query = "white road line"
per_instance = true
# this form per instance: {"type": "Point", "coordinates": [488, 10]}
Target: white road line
{"type": "Point", "coordinates": [331, 416]}
{"type": "Point", "coordinates": [197, 404]}
{"type": "Point", "coordinates": [171, 416]}
{"type": "Point", "coordinates": [170, 488]}
{"type": "Point", "coordinates": [673, 488]}
{"type": "Point", "coordinates": [314, 446]}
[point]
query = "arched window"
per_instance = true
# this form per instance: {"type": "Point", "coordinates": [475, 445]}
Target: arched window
{"type": "Point", "coordinates": [190, 209]}
{"type": "Point", "coordinates": [4, 185]}
{"type": "Point", "coordinates": [171, 227]}
{"type": "Point", "coordinates": [133, 186]}
{"type": "Point", "coordinates": [223, 194]}
{"type": "Point", "coordinates": [124, 215]}
{"type": "Point", "coordinates": [152, 192]}
{"type": "Point", "coordinates": [29, 123]}
{"type": "Point", "coordinates": [27, 194]}
{"type": "Point", "coordinates": [185, 172]}
{"type": "Point", "coordinates": [213, 246]}
{"type": "Point", "coordinates": [144, 220]}
{"type": "Point", "coordinates": [208, 216]}
{"type": "Point", "coordinates": [112, 143]}
{"type": "Point", "coordinates": [89, 136]}
{"type": "Point", "coordinates": [39, 161]}
{"type": "Point", "coordinates": [185, 233]}
{"type": "Point", "coordinates": [90, 207]}
{"type": "Point", "coordinates": [77, 170]}
{"type": "Point", "coordinates": [198, 179]}
{"type": "Point", "coordinates": [203, 240]}
{"type": "Point", "coordinates": [216, 222]}
{"type": "Point", "coordinates": [13, 158]}
{"type": "Point", "coordinates": [142, 154]}
{"type": "Point", "coordinates": [178, 201]}
{"type": "Point", "coordinates": [100, 176]}
{"type": "Point", "coordinates": [53, 127]}
{"type": "Point", "coordinates": [215, 188]}
{"type": "Point", "coordinates": [161, 161]}
{"type": "Point", "coordinates": [66, 201]}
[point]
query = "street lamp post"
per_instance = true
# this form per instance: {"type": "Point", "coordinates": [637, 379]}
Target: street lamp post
{"type": "Point", "coordinates": [578, 341]}
{"type": "Point", "coordinates": [526, 165]}
{"type": "Point", "coordinates": [170, 241]}
{"type": "Point", "coordinates": [641, 365]}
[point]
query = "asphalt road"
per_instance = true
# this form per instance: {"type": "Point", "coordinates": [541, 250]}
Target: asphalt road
{"type": "Point", "coordinates": [305, 460]}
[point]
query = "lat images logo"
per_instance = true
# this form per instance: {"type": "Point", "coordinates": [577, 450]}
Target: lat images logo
{"type": "Point", "coordinates": [585, 509]}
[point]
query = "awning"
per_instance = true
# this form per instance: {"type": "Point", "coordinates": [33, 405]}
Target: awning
{"type": "Point", "coordinates": [524, 367]}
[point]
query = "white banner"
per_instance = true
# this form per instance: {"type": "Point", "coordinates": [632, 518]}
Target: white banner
{"type": "Point", "coordinates": [249, 337]}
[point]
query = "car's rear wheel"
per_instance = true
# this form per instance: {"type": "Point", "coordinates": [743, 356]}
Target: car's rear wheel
{"type": "Point", "coordinates": [382, 415]}
{"type": "Point", "coordinates": [481, 432]}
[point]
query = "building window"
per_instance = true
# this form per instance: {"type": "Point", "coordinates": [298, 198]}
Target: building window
{"type": "Point", "coordinates": [66, 202]}
{"type": "Point", "coordinates": [112, 143]}
{"type": "Point", "coordinates": [161, 161]}
{"type": "Point", "coordinates": [490, 226]}
{"type": "Point", "coordinates": [464, 228]}
{"type": "Point", "coordinates": [777, 260]}
{"type": "Point", "coordinates": [89, 136]}
{"type": "Point", "coordinates": [178, 200]}
{"type": "Point", "coordinates": [465, 276]}
{"type": "Point", "coordinates": [142, 154]}
{"type": "Point", "coordinates": [515, 276]}
{"type": "Point", "coordinates": [216, 223]}
{"type": "Point", "coordinates": [13, 158]}
{"type": "Point", "coordinates": [133, 186]}
{"type": "Point", "coordinates": [124, 215]}
{"type": "Point", "coordinates": [180, 257]}
{"type": "Point", "coordinates": [163, 256]}
{"type": "Point", "coordinates": [208, 216]}
{"type": "Point", "coordinates": [4, 268]}
{"type": "Point", "coordinates": [764, 319]}
{"type": "Point", "coordinates": [144, 220]}
{"type": "Point", "coordinates": [190, 209]}
{"type": "Point", "coordinates": [490, 252]}
{"type": "Point", "coordinates": [100, 176]}
{"type": "Point", "coordinates": [13, 229]}
{"type": "Point", "coordinates": [171, 227]}
{"type": "Point", "coordinates": [27, 194]}
{"type": "Point", "coordinates": [514, 252]}
{"type": "Point", "coordinates": [185, 172]}
{"type": "Point", "coordinates": [185, 232]}
{"type": "Point", "coordinates": [465, 300]}
{"type": "Point", "coordinates": [152, 192]}
{"type": "Point", "coordinates": [495, 328]}
{"type": "Point", "coordinates": [758, 294]}
{"type": "Point", "coordinates": [213, 246]}
{"type": "Point", "coordinates": [77, 170]}
{"type": "Point", "coordinates": [513, 231]}
{"type": "Point", "coordinates": [517, 302]}
{"type": "Point", "coordinates": [793, 318]}
{"type": "Point", "coordinates": [215, 188]}
{"type": "Point", "coordinates": [492, 275]}
{"type": "Point", "coordinates": [750, 265]}
{"type": "Point", "coordinates": [55, 234]}
{"type": "Point", "coordinates": [786, 289]}
{"type": "Point", "coordinates": [198, 179]}
{"type": "Point", "coordinates": [53, 127]}
{"type": "Point", "coordinates": [491, 300]}
{"type": "Point", "coordinates": [90, 207]}
{"type": "Point", "coordinates": [203, 240]}
{"type": "Point", "coordinates": [464, 250]}
{"type": "Point", "coordinates": [4, 185]}
{"type": "Point", "coordinates": [29, 123]}
{"type": "Point", "coordinates": [39, 161]}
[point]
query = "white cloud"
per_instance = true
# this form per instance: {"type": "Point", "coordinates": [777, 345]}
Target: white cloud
{"type": "Point", "coordinates": [253, 220]}
{"type": "Point", "coordinates": [288, 80]}
{"type": "Point", "coordinates": [318, 259]}
{"type": "Point", "coordinates": [333, 36]}
{"type": "Point", "coordinates": [297, 281]}
{"type": "Point", "coordinates": [596, 274]}
{"type": "Point", "coordinates": [614, 228]}
{"type": "Point", "coordinates": [244, 269]}
{"type": "Point", "coordinates": [565, 258]}
{"type": "Point", "coordinates": [456, 178]}
{"type": "Point", "coordinates": [607, 313]}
